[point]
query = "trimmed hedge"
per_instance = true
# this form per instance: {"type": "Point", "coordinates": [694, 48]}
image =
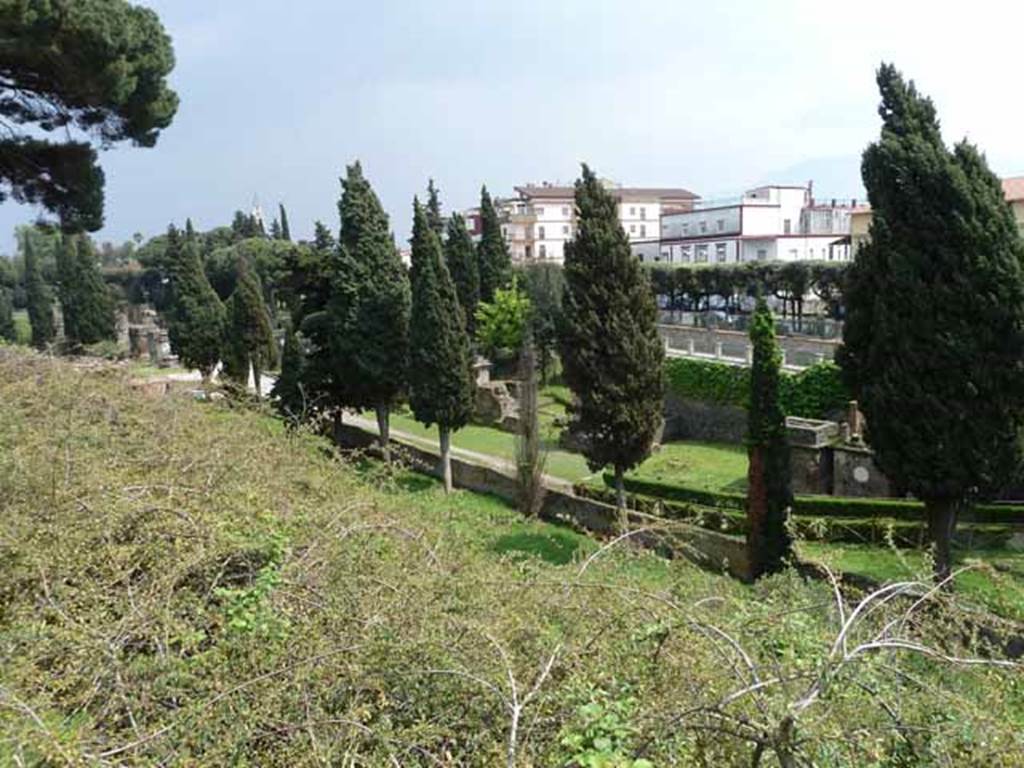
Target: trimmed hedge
{"type": "Point", "coordinates": [812, 393]}
{"type": "Point", "coordinates": [818, 506]}
{"type": "Point", "coordinates": [851, 530]}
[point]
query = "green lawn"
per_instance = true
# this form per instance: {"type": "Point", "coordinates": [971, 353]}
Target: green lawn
{"type": "Point", "coordinates": [22, 327]}
{"type": "Point", "coordinates": [708, 466]}
{"type": "Point", "coordinates": [996, 581]}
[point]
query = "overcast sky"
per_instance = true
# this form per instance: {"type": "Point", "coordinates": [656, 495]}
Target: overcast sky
{"type": "Point", "coordinates": [276, 97]}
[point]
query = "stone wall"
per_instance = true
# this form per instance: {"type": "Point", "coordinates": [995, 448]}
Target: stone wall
{"type": "Point", "coordinates": [856, 474]}
{"type": "Point", "coordinates": [708, 549]}
{"type": "Point", "coordinates": [695, 420]}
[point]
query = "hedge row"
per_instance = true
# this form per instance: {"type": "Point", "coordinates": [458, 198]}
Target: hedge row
{"type": "Point", "coordinates": [812, 393]}
{"type": "Point", "coordinates": [818, 506]}
{"type": "Point", "coordinates": [853, 530]}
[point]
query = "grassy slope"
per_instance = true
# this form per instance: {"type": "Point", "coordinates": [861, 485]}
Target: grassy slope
{"type": "Point", "coordinates": [182, 584]}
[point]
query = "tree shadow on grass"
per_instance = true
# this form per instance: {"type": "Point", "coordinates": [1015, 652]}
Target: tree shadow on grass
{"type": "Point", "coordinates": [556, 547]}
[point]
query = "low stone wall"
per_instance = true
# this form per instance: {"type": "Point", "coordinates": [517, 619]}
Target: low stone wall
{"type": "Point", "coordinates": [708, 549]}
{"type": "Point", "coordinates": [695, 420]}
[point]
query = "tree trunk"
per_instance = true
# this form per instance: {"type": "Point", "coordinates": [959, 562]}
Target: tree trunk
{"type": "Point", "coordinates": [256, 375]}
{"type": "Point", "coordinates": [338, 422]}
{"type": "Point", "coordinates": [620, 498]}
{"type": "Point", "coordinates": [941, 524]}
{"type": "Point", "coordinates": [446, 457]}
{"type": "Point", "coordinates": [757, 511]}
{"type": "Point", "coordinates": [384, 428]}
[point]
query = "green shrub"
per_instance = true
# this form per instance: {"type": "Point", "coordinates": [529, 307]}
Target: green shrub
{"type": "Point", "coordinates": [812, 393]}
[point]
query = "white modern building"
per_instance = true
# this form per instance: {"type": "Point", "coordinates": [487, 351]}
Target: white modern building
{"type": "Point", "coordinates": [770, 223]}
{"type": "Point", "coordinates": [539, 220]}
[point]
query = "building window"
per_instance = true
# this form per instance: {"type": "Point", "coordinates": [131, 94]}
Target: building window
{"type": "Point", "coordinates": [643, 213]}
{"type": "Point", "coordinates": [686, 228]}
{"type": "Point", "coordinates": [666, 254]}
{"type": "Point", "coordinates": [721, 225]}
{"type": "Point", "coordinates": [632, 229]}
{"type": "Point", "coordinates": [719, 251]}
{"type": "Point", "coordinates": [643, 230]}
{"type": "Point", "coordinates": [794, 254]}
{"type": "Point", "coordinates": [543, 252]}
{"type": "Point", "coordinates": [702, 254]}
{"type": "Point", "coordinates": [540, 233]}
{"type": "Point", "coordinates": [684, 254]}
{"type": "Point", "coordinates": [786, 227]}
{"type": "Point", "coordinates": [504, 232]}
{"type": "Point", "coordinates": [565, 211]}
{"type": "Point", "coordinates": [565, 229]}
{"type": "Point", "coordinates": [539, 211]}
{"type": "Point", "coordinates": [762, 254]}
{"type": "Point", "coordinates": [632, 211]}
{"type": "Point", "coordinates": [703, 227]}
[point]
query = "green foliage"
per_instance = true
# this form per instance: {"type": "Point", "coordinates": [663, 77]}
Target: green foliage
{"type": "Point", "coordinates": [935, 330]}
{"type": "Point", "coordinates": [400, 609]}
{"type": "Point", "coordinates": [502, 323]}
{"type": "Point", "coordinates": [612, 356]}
{"type": "Point", "coordinates": [813, 393]}
{"type": "Point", "coordinates": [86, 302]}
{"type": "Point", "coordinates": [120, 56]}
{"type": "Point", "coordinates": [440, 382]}
{"type": "Point", "coordinates": [460, 257]}
{"type": "Point", "coordinates": [817, 506]}
{"type": "Point", "coordinates": [289, 390]}
{"type": "Point", "coordinates": [286, 230]}
{"type": "Point", "coordinates": [691, 287]}
{"type": "Point", "coordinates": [545, 286]}
{"type": "Point", "coordinates": [249, 334]}
{"type": "Point", "coordinates": [601, 734]}
{"type": "Point", "coordinates": [493, 260]}
{"type": "Point", "coordinates": [434, 217]}
{"type": "Point", "coordinates": [769, 480]}
{"type": "Point", "coordinates": [39, 300]}
{"type": "Point", "coordinates": [196, 319]}
{"type": "Point", "coordinates": [8, 331]}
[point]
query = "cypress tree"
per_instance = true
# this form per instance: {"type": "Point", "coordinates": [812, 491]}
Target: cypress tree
{"type": "Point", "coordinates": [86, 302]}
{"type": "Point", "coordinates": [195, 324]}
{"type": "Point", "coordinates": [8, 332]}
{"type": "Point", "coordinates": [250, 335]}
{"type": "Point", "coordinates": [275, 230]}
{"type": "Point", "coordinates": [286, 232]}
{"type": "Point", "coordinates": [289, 391]}
{"type": "Point", "coordinates": [769, 487]}
{"type": "Point", "coordinates": [460, 257]}
{"type": "Point", "coordinates": [39, 299]}
{"type": "Point", "coordinates": [934, 337]}
{"type": "Point", "coordinates": [440, 383]}
{"type": "Point", "coordinates": [434, 217]}
{"type": "Point", "coordinates": [612, 356]}
{"type": "Point", "coordinates": [379, 344]}
{"type": "Point", "coordinates": [494, 263]}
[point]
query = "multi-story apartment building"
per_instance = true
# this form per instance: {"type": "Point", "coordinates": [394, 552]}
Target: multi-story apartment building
{"type": "Point", "coordinates": [767, 223]}
{"type": "Point", "coordinates": [539, 220]}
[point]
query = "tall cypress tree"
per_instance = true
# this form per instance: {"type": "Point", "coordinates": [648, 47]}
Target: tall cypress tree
{"type": "Point", "coordinates": [379, 346]}
{"type": "Point", "coordinates": [460, 257]}
{"type": "Point", "coordinates": [434, 217]}
{"type": "Point", "coordinates": [8, 331]}
{"type": "Point", "coordinates": [934, 336]}
{"type": "Point", "coordinates": [249, 332]}
{"type": "Point", "coordinates": [494, 263]}
{"type": "Point", "coordinates": [39, 299]}
{"type": "Point", "coordinates": [86, 303]}
{"type": "Point", "coordinates": [286, 232]}
{"type": "Point", "coordinates": [289, 391]}
{"type": "Point", "coordinates": [614, 361]}
{"type": "Point", "coordinates": [195, 324]}
{"type": "Point", "coordinates": [769, 487]}
{"type": "Point", "coordinates": [440, 382]}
